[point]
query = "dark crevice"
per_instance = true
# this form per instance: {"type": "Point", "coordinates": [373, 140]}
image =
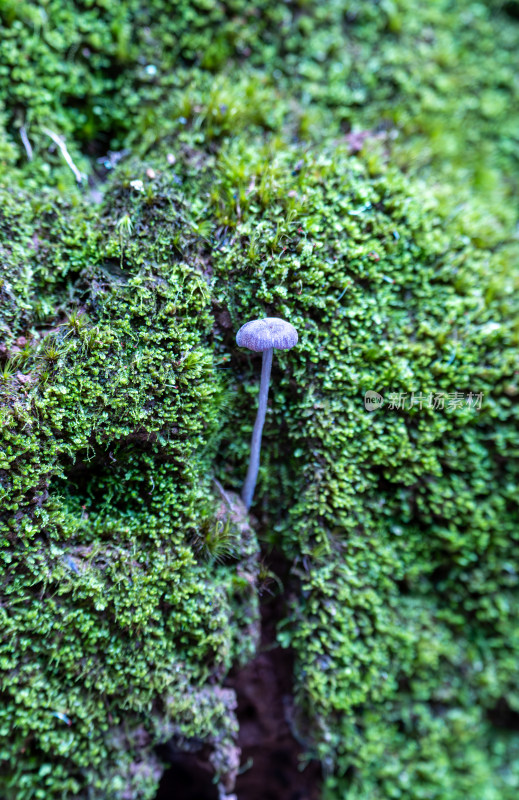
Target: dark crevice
{"type": "Point", "coordinates": [504, 716]}
{"type": "Point", "coordinates": [512, 9]}
{"type": "Point", "coordinates": [270, 752]}
{"type": "Point", "coordinates": [190, 776]}
{"type": "Point", "coordinates": [271, 748]}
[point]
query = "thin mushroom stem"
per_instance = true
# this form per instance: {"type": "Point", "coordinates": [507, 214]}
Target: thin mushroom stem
{"type": "Point", "coordinates": [255, 446]}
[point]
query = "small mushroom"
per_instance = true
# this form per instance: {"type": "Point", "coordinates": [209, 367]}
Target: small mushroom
{"type": "Point", "coordinates": [262, 336]}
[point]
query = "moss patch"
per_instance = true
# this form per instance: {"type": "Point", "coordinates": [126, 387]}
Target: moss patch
{"type": "Point", "coordinates": [127, 592]}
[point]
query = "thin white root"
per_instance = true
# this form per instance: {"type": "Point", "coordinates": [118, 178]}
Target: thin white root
{"type": "Point", "coordinates": [26, 143]}
{"type": "Point", "coordinates": [60, 141]}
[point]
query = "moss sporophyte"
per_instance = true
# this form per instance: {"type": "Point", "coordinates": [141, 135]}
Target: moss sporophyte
{"type": "Point", "coordinates": [262, 336]}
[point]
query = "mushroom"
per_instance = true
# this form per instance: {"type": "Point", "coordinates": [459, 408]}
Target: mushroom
{"type": "Point", "coordinates": [262, 336]}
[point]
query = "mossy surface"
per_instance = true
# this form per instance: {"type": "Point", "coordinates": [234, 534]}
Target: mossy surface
{"type": "Point", "coordinates": [118, 599]}
{"type": "Point", "coordinates": [127, 592]}
{"type": "Point", "coordinates": [437, 80]}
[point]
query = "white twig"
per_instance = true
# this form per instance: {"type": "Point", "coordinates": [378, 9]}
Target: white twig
{"type": "Point", "coordinates": [60, 141]}
{"type": "Point", "coordinates": [26, 143]}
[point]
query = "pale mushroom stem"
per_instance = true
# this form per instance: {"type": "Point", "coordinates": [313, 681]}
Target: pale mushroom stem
{"type": "Point", "coordinates": [255, 446]}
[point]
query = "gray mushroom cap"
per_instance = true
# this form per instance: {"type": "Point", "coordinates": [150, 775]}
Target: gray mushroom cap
{"type": "Point", "coordinates": [262, 334]}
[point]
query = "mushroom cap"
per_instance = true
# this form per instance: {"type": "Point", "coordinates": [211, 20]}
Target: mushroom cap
{"type": "Point", "coordinates": [262, 334]}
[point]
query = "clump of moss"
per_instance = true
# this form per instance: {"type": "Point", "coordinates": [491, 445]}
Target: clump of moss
{"type": "Point", "coordinates": [127, 591]}
{"type": "Point", "coordinates": [439, 77]}
{"type": "Point", "coordinates": [399, 524]}
{"type": "Point", "coordinates": [110, 616]}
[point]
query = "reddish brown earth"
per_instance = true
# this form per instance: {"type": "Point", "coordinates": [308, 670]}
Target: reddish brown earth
{"type": "Point", "coordinates": [268, 745]}
{"type": "Point", "coordinates": [271, 754]}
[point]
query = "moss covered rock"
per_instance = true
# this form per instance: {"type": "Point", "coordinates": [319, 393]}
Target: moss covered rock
{"type": "Point", "coordinates": [127, 590]}
{"type": "Point", "coordinates": [128, 585]}
{"type": "Point", "coordinates": [130, 393]}
{"type": "Point", "coordinates": [438, 80]}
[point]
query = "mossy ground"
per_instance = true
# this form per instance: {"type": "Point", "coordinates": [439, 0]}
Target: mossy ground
{"type": "Point", "coordinates": [126, 595]}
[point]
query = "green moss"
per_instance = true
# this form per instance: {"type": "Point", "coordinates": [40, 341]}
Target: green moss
{"type": "Point", "coordinates": [127, 591]}
{"type": "Point", "coordinates": [392, 519]}
{"type": "Point", "coordinates": [436, 81]}
{"type": "Point", "coordinates": [400, 525]}
{"type": "Point", "coordinates": [109, 427]}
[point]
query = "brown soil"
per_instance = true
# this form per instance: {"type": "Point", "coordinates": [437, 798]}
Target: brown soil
{"type": "Point", "coordinates": [270, 753]}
